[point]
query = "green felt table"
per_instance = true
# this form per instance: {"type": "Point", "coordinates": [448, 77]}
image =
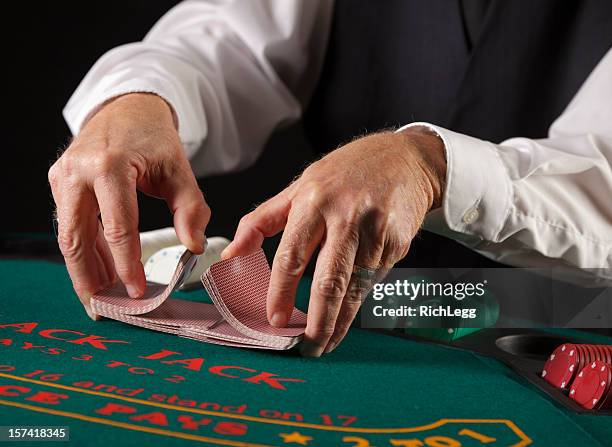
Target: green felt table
{"type": "Point", "coordinates": [114, 384]}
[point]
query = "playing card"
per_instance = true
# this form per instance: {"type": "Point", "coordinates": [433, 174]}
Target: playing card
{"type": "Point", "coordinates": [238, 288]}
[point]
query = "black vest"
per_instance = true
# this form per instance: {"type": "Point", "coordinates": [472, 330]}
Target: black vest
{"type": "Point", "coordinates": [392, 62]}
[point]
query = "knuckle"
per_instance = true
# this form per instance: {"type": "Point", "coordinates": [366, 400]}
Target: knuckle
{"type": "Point", "coordinates": [205, 209]}
{"type": "Point", "coordinates": [354, 297]}
{"type": "Point", "coordinates": [105, 162]}
{"type": "Point", "coordinates": [69, 164]}
{"type": "Point", "coordinates": [312, 195]}
{"type": "Point", "coordinates": [53, 175]}
{"type": "Point", "coordinates": [290, 262]}
{"type": "Point", "coordinates": [377, 218]}
{"type": "Point", "coordinates": [70, 244]}
{"type": "Point", "coordinates": [352, 215]}
{"type": "Point", "coordinates": [397, 247]}
{"type": "Point", "coordinates": [206, 214]}
{"type": "Point", "coordinates": [245, 220]}
{"type": "Point", "coordinates": [324, 332]}
{"type": "Point", "coordinates": [310, 170]}
{"type": "Point", "coordinates": [117, 235]}
{"type": "Point", "coordinates": [332, 287]}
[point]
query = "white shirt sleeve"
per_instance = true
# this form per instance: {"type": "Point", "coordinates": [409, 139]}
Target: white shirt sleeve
{"type": "Point", "coordinates": [537, 203]}
{"type": "Point", "coordinates": [232, 70]}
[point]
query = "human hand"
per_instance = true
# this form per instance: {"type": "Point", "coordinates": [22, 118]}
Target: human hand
{"type": "Point", "coordinates": [130, 143]}
{"type": "Point", "coordinates": [362, 204]}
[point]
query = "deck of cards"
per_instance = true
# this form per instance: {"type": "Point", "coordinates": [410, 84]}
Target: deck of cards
{"type": "Point", "coordinates": [238, 288]}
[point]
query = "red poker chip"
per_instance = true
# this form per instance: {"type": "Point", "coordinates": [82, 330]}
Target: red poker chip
{"type": "Point", "coordinates": [607, 351]}
{"type": "Point", "coordinates": [591, 387]}
{"type": "Point", "coordinates": [601, 355]}
{"type": "Point", "coordinates": [562, 365]}
{"type": "Point", "coordinates": [595, 353]}
{"type": "Point", "coordinates": [606, 401]}
{"type": "Point", "coordinates": [598, 352]}
{"type": "Point", "coordinates": [592, 355]}
{"type": "Point", "coordinates": [582, 357]}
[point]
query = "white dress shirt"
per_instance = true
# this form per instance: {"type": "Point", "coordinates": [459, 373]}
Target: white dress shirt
{"type": "Point", "coordinates": [235, 70]}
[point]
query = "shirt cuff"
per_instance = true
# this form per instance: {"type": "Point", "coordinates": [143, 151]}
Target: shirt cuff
{"type": "Point", "coordinates": [82, 106]}
{"type": "Point", "coordinates": [478, 192]}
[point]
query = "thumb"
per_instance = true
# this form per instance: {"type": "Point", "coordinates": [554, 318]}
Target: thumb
{"type": "Point", "coordinates": [191, 213]}
{"type": "Point", "coordinates": [266, 220]}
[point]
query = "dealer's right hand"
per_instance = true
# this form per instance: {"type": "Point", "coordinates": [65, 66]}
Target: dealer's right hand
{"type": "Point", "coordinates": [130, 143]}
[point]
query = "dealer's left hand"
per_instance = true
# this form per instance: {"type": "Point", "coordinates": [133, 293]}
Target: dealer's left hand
{"type": "Point", "coordinates": [361, 204]}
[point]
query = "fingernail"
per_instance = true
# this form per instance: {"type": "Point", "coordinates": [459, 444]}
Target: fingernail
{"type": "Point", "coordinates": [330, 347]}
{"type": "Point", "coordinates": [278, 319]}
{"type": "Point", "coordinates": [309, 349]}
{"type": "Point", "coordinates": [132, 291]}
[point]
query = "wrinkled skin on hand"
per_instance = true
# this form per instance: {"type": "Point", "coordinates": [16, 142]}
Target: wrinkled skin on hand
{"type": "Point", "coordinates": [362, 204]}
{"type": "Point", "coordinates": [130, 144]}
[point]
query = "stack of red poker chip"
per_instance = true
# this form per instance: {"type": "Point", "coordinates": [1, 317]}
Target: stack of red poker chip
{"type": "Point", "coordinates": [569, 359]}
{"type": "Point", "coordinates": [577, 366]}
{"type": "Point", "coordinates": [592, 387]}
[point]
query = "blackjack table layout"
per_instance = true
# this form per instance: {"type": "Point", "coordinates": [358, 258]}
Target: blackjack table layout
{"type": "Point", "coordinates": [113, 384]}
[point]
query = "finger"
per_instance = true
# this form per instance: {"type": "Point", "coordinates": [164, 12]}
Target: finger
{"type": "Point", "coordinates": [77, 228]}
{"type": "Point", "coordinates": [393, 252]}
{"type": "Point", "coordinates": [104, 276]}
{"type": "Point", "coordinates": [191, 213]}
{"type": "Point", "coordinates": [266, 220]}
{"type": "Point", "coordinates": [116, 195]}
{"type": "Point", "coordinates": [368, 256]}
{"type": "Point", "coordinates": [105, 255]}
{"type": "Point", "coordinates": [330, 282]}
{"type": "Point", "coordinates": [301, 237]}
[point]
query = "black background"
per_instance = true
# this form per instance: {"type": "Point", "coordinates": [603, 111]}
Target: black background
{"type": "Point", "coordinates": [47, 49]}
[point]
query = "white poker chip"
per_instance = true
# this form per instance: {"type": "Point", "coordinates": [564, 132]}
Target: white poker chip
{"type": "Point", "coordinates": [153, 241]}
{"type": "Point", "coordinates": [161, 265]}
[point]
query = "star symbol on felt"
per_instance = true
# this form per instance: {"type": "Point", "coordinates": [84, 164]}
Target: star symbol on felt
{"type": "Point", "coordinates": [296, 437]}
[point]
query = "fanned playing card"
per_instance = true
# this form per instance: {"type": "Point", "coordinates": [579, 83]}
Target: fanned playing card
{"type": "Point", "coordinates": [237, 317]}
